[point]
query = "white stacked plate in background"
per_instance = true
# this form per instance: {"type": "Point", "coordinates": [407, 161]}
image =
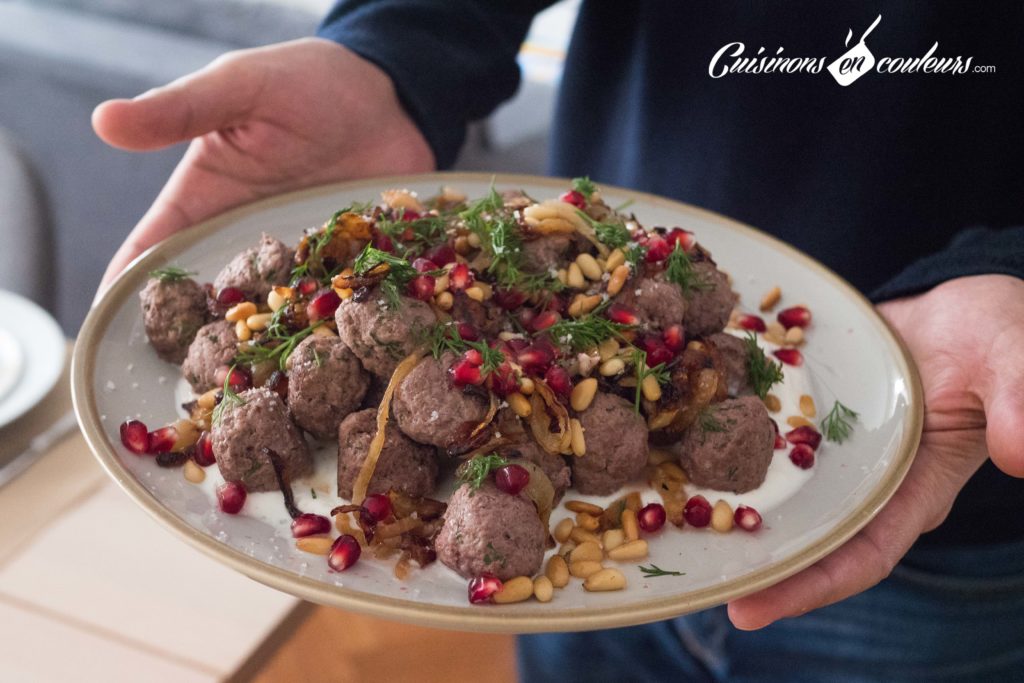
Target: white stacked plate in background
{"type": "Point", "coordinates": [32, 349]}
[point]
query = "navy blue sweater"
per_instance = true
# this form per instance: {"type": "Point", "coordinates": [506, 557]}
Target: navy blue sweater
{"type": "Point", "coordinates": [880, 179]}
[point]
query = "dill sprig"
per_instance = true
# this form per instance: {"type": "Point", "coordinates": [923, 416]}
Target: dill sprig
{"type": "Point", "coordinates": [316, 240]}
{"type": "Point", "coordinates": [614, 235]}
{"type": "Point", "coordinates": [635, 254]}
{"type": "Point", "coordinates": [763, 372]}
{"type": "Point", "coordinates": [475, 471]}
{"type": "Point", "coordinates": [491, 204]}
{"type": "Point", "coordinates": [836, 425]}
{"type": "Point", "coordinates": [400, 272]}
{"type": "Point", "coordinates": [171, 274]}
{"type": "Point", "coordinates": [660, 373]}
{"type": "Point", "coordinates": [585, 332]}
{"type": "Point", "coordinates": [229, 399]}
{"type": "Point", "coordinates": [708, 421]}
{"type": "Point", "coordinates": [425, 231]}
{"type": "Point", "coordinates": [277, 343]}
{"type": "Point", "coordinates": [654, 570]}
{"type": "Point", "coordinates": [679, 269]}
{"type": "Point", "coordinates": [585, 186]}
{"type": "Point", "coordinates": [445, 337]}
{"type": "Point", "coordinates": [539, 282]}
{"type": "Point", "coordinates": [505, 248]}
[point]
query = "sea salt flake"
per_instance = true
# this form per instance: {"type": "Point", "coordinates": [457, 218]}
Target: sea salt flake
{"type": "Point", "coordinates": [434, 415]}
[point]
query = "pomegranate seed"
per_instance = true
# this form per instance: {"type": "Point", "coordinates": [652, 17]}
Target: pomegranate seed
{"type": "Point", "coordinates": [203, 454]}
{"type": "Point", "coordinates": [442, 254]}
{"type": "Point", "coordinates": [697, 511]}
{"type": "Point", "coordinates": [557, 303]}
{"type": "Point", "coordinates": [747, 518]}
{"type": "Point", "coordinates": [229, 296]}
{"type": "Point", "coordinates": [752, 322]}
{"type": "Point", "coordinates": [468, 331]}
{"type": "Point", "coordinates": [308, 524]}
{"type": "Point", "coordinates": [622, 315]}
{"type": "Point", "coordinates": [231, 497]}
{"type": "Point", "coordinates": [575, 198]}
{"type": "Point", "coordinates": [383, 242]}
{"type": "Point", "coordinates": [474, 357]}
{"type": "Point", "coordinates": [135, 436]}
{"type": "Point", "coordinates": [684, 238]}
{"type": "Point", "coordinates": [545, 320]}
{"type": "Point", "coordinates": [424, 265]}
{"type": "Point", "coordinates": [421, 287]}
{"type": "Point", "coordinates": [460, 278]}
{"type": "Point", "coordinates": [797, 316]}
{"type": "Point", "coordinates": [162, 440]}
{"type": "Point", "coordinates": [345, 552]}
{"type": "Point", "coordinates": [378, 507]}
{"type": "Point", "coordinates": [658, 249]}
{"type": "Point", "coordinates": [465, 373]}
{"type": "Point", "coordinates": [790, 356]}
{"type": "Point", "coordinates": [511, 478]}
{"type": "Point", "coordinates": [651, 517]}
{"type": "Point", "coordinates": [504, 381]}
{"type": "Point", "coordinates": [324, 304]}
{"type": "Point", "coordinates": [656, 350]}
{"type": "Point", "coordinates": [557, 378]}
{"type": "Point", "coordinates": [674, 338]}
{"type": "Point", "coordinates": [483, 587]}
{"type": "Point", "coordinates": [509, 299]}
{"type": "Point", "coordinates": [278, 383]}
{"type": "Point", "coordinates": [239, 381]}
{"type": "Point", "coordinates": [779, 442]}
{"type": "Point", "coordinates": [535, 359]}
{"type": "Point", "coordinates": [306, 286]}
{"type": "Point", "coordinates": [410, 216]}
{"type": "Point", "coordinates": [805, 434]}
{"type": "Point", "coordinates": [802, 456]}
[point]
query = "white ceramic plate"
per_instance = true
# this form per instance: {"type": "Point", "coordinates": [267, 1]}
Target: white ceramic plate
{"type": "Point", "coordinates": [852, 355]}
{"type": "Point", "coordinates": [31, 355]}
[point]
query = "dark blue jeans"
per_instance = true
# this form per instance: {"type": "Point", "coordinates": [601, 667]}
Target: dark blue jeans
{"type": "Point", "coordinates": [943, 615]}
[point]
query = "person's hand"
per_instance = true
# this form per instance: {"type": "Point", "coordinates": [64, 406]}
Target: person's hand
{"type": "Point", "coordinates": [967, 337]}
{"type": "Point", "coordinates": [262, 121]}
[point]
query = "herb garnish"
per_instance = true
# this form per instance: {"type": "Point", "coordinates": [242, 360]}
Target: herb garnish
{"type": "Point", "coordinates": [763, 372]}
{"type": "Point", "coordinates": [445, 337]}
{"type": "Point", "coordinates": [836, 425]}
{"type": "Point", "coordinates": [614, 235]}
{"type": "Point", "coordinates": [422, 232]}
{"type": "Point", "coordinates": [655, 570]}
{"type": "Point", "coordinates": [475, 471]}
{"type": "Point", "coordinates": [229, 398]}
{"type": "Point", "coordinates": [708, 421]}
{"type": "Point", "coordinates": [316, 241]}
{"type": "Point", "coordinates": [494, 556]}
{"type": "Point", "coordinates": [277, 342]}
{"type": "Point", "coordinates": [312, 492]}
{"type": "Point", "coordinates": [679, 269]}
{"type": "Point", "coordinates": [659, 372]}
{"type": "Point", "coordinates": [400, 272]}
{"type": "Point", "coordinates": [635, 255]}
{"type": "Point", "coordinates": [585, 186]}
{"type": "Point", "coordinates": [586, 331]}
{"type": "Point", "coordinates": [171, 274]}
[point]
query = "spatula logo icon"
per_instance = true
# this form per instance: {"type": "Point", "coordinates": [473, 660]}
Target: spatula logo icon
{"type": "Point", "coordinates": [857, 61]}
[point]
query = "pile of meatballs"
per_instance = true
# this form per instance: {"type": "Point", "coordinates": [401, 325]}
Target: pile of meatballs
{"type": "Point", "coordinates": [528, 330]}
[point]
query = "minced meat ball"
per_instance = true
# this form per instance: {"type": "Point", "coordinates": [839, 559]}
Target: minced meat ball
{"type": "Point", "coordinates": [657, 303]}
{"type": "Point", "coordinates": [616, 441]}
{"type": "Point", "coordinates": [173, 310]}
{"type": "Point", "coordinates": [244, 430]}
{"type": "Point", "coordinates": [380, 336]}
{"type": "Point", "coordinates": [732, 362]}
{"type": "Point", "coordinates": [430, 410]}
{"type": "Point", "coordinates": [544, 253]}
{"type": "Point", "coordinates": [404, 465]}
{"type": "Point", "coordinates": [325, 383]}
{"type": "Point", "coordinates": [214, 347]}
{"type": "Point", "coordinates": [730, 446]}
{"type": "Point", "coordinates": [485, 318]}
{"type": "Point", "coordinates": [488, 530]}
{"type": "Point", "coordinates": [709, 307]}
{"type": "Point", "coordinates": [257, 269]}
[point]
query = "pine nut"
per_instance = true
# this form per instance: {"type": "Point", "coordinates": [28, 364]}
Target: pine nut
{"type": "Point", "coordinates": [574, 277]}
{"type": "Point", "coordinates": [613, 538]}
{"type": "Point", "coordinates": [589, 303]}
{"type": "Point", "coordinates": [770, 298]}
{"type": "Point", "coordinates": [323, 331]}
{"type": "Point", "coordinates": [562, 276]}
{"type": "Point", "coordinates": [584, 568]}
{"type": "Point", "coordinates": [807, 406]}
{"type": "Point", "coordinates": [578, 442]}
{"type": "Point", "coordinates": [543, 589]}
{"type": "Point", "coordinates": [526, 386]}
{"type": "Point", "coordinates": [583, 506]}
{"type": "Point", "coordinates": [275, 300]}
{"type": "Point", "coordinates": [318, 545]}
{"type": "Point", "coordinates": [566, 548]}
{"type": "Point", "coordinates": [586, 551]}
{"type": "Point", "coordinates": [772, 403]}
{"type": "Point", "coordinates": [612, 367]}
{"type": "Point", "coordinates": [514, 590]}
{"type": "Point", "coordinates": [242, 331]}
{"type": "Point", "coordinates": [605, 580]}
{"type": "Point", "coordinates": [775, 333]}
{"type": "Point", "coordinates": [618, 279]}
{"type": "Point", "coordinates": [588, 522]}
{"type": "Point", "coordinates": [589, 266]}
{"type": "Point", "coordinates": [441, 283]}
{"type": "Point", "coordinates": [629, 525]}
{"type": "Point", "coordinates": [578, 535]}
{"type": "Point", "coordinates": [563, 529]}
{"type": "Point", "coordinates": [519, 404]}
{"type": "Point", "coordinates": [462, 245]}
{"type": "Point", "coordinates": [799, 421]}
{"type": "Point", "coordinates": [794, 336]}
{"type": "Point", "coordinates": [673, 472]}
{"type": "Point", "coordinates": [631, 550]}
{"type": "Point", "coordinates": [474, 240]}
{"type": "Point", "coordinates": [259, 321]}
{"type": "Point", "coordinates": [557, 571]}
{"type": "Point", "coordinates": [445, 301]}
{"type": "Point", "coordinates": [583, 394]}
{"type": "Point", "coordinates": [607, 349]}
{"type": "Point", "coordinates": [650, 388]}
{"type": "Point", "coordinates": [240, 311]}
{"type": "Point", "coordinates": [615, 259]}
{"type": "Point", "coordinates": [208, 400]}
{"type": "Point", "coordinates": [656, 456]}
{"type": "Point", "coordinates": [475, 293]}
{"type": "Point", "coordinates": [721, 517]}
{"type": "Point", "coordinates": [193, 472]}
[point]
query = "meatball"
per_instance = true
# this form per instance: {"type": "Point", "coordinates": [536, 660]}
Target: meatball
{"type": "Point", "coordinates": [657, 303]}
{"type": "Point", "coordinates": [485, 318]}
{"type": "Point", "coordinates": [616, 438]}
{"type": "Point", "coordinates": [488, 530]}
{"type": "Point", "coordinates": [710, 306]}
{"type": "Point", "coordinates": [172, 312]}
{"type": "Point", "coordinates": [730, 446]}
{"type": "Point", "coordinates": [325, 383]}
{"type": "Point", "coordinates": [544, 253]}
{"type": "Point", "coordinates": [553, 465]}
{"type": "Point", "coordinates": [731, 361]}
{"type": "Point", "coordinates": [215, 346]}
{"type": "Point", "coordinates": [245, 429]}
{"type": "Point", "coordinates": [379, 336]}
{"type": "Point", "coordinates": [257, 269]}
{"type": "Point", "coordinates": [430, 410]}
{"type": "Point", "coordinates": [404, 465]}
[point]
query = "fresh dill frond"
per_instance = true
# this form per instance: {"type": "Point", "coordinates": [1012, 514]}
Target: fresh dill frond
{"type": "Point", "coordinates": [708, 421]}
{"type": "Point", "coordinates": [475, 471]}
{"type": "Point", "coordinates": [445, 337]}
{"type": "Point", "coordinates": [506, 251]}
{"type": "Point", "coordinates": [493, 358]}
{"type": "Point", "coordinates": [491, 204]}
{"type": "Point", "coordinates": [660, 372]}
{"type": "Point", "coordinates": [763, 372]}
{"type": "Point", "coordinates": [171, 274]}
{"type": "Point", "coordinates": [400, 272]}
{"type": "Point", "coordinates": [836, 425]}
{"type": "Point", "coordinates": [539, 282]}
{"type": "Point", "coordinates": [229, 399]}
{"type": "Point", "coordinates": [679, 269]}
{"type": "Point", "coordinates": [625, 205]}
{"type": "Point", "coordinates": [585, 186]}
{"type": "Point", "coordinates": [277, 343]}
{"type": "Point", "coordinates": [416, 235]}
{"type": "Point", "coordinates": [654, 570]}
{"type": "Point", "coordinates": [635, 255]}
{"type": "Point", "coordinates": [614, 235]}
{"type": "Point", "coordinates": [585, 332]}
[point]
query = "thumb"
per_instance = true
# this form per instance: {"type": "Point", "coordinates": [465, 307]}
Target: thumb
{"type": "Point", "coordinates": [216, 97]}
{"type": "Point", "coordinates": [1004, 415]}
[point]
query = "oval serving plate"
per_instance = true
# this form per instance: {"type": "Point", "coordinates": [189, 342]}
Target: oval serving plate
{"type": "Point", "coordinates": [851, 354]}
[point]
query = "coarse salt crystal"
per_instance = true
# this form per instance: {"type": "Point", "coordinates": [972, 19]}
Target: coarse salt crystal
{"type": "Point", "coordinates": [434, 415]}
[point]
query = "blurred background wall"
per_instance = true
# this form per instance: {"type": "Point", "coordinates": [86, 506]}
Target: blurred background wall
{"type": "Point", "coordinates": [67, 200]}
